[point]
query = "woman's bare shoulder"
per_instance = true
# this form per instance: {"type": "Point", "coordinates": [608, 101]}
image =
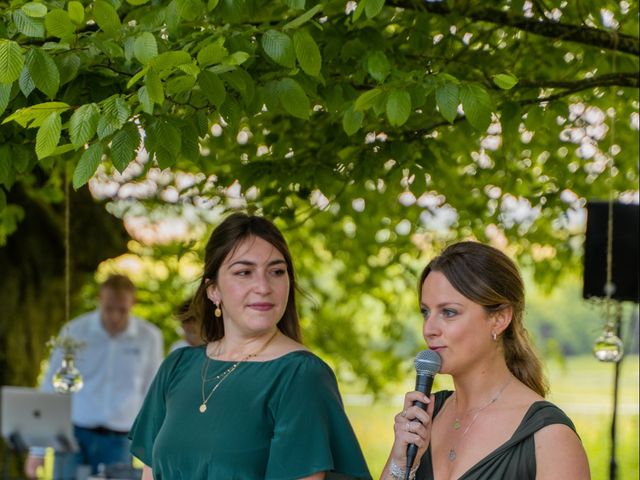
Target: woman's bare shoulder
{"type": "Point", "coordinates": [560, 454]}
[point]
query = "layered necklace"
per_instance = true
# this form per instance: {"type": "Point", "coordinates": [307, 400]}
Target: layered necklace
{"type": "Point", "coordinates": [458, 420]}
{"type": "Point", "coordinates": [218, 379]}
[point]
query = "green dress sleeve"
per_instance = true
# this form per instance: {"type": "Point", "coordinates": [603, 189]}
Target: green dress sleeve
{"type": "Point", "coordinates": [311, 430]}
{"type": "Point", "coordinates": [152, 413]}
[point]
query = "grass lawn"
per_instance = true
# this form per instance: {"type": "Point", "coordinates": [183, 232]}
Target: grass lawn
{"type": "Point", "coordinates": [583, 388]}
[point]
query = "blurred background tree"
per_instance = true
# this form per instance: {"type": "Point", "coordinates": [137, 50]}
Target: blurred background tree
{"type": "Point", "coordinates": [373, 132]}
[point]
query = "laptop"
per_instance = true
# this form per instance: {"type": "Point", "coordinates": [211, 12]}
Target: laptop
{"type": "Point", "coordinates": [32, 418]}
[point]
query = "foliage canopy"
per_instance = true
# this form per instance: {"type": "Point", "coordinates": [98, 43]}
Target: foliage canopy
{"type": "Point", "coordinates": [369, 129]}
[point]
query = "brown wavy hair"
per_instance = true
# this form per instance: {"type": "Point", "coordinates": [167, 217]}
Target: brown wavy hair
{"type": "Point", "coordinates": [488, 277]}
{"type": "Point", "coordinates": [226, 237]}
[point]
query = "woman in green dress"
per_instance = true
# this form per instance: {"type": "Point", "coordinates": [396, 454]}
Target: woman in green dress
{"type": "Point", "coordinates": [496, 424]}
{"type": "Point", "coordinates": [253, 403]}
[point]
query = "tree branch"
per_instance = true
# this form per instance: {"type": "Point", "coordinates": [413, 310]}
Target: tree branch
{"type": "Point", "coordinates": [622, 79]}
{"type": "Point", "coordinates": [607, 80]}
{"type": "Point", "coordinates": [586, 35]}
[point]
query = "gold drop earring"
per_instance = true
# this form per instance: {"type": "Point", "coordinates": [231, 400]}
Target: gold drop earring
{"type": "Point", "coordinates": [217, 312]}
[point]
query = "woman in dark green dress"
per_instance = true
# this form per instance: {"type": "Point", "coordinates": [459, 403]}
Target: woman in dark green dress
{"type": "Point", "coordinates": [253, 403]}
{"type": "Point", "coordinates": [496, 424]}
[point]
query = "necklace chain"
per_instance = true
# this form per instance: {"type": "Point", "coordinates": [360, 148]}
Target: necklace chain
{"type": "Point", "coordinates": [221, 377]}
{"type": "Point", "coordinates": [457, 423]}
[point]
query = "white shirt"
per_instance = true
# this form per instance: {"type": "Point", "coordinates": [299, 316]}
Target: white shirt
{"type": "Point", "coordinates": [116, 371]}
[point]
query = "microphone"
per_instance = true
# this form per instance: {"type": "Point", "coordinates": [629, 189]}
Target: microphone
{"type": "Point", "coordinates": [428, 364]}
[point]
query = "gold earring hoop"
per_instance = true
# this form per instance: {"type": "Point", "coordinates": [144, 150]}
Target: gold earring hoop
{"type": "Point", "coordinates": [217, 312]}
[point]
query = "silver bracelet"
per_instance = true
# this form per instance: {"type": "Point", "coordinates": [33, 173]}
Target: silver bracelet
{"type": "Point", "coordinates": [398, 473]}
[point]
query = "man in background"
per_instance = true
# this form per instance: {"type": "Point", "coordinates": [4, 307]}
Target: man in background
{"type": "Point", "coordinates": [118, 361]}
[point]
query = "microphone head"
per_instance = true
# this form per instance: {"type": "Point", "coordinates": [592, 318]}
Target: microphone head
{"type": "Point", "coordinates": [428, 362]}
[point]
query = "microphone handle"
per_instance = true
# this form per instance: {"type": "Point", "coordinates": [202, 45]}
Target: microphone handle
{"type": "Point", "coordinates": [423, 384]}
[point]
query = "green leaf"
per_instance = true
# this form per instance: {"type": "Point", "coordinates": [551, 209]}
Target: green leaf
{"type": "Point", "coordinates": [236, 58]}
{"type": "Point", "coordinates": [167, 143]}
{"type": "Point", "coordinates": [43, 71]}
{"type": "Point", "coordinates": [359, 10]}
{"type": "Point", "coordinates": [170, 60]}
{"type": "Point", "coordinates": [31, 27]}
{"type": "Point", "coordinates": [189, 9]}
{"type": "Point", "coordinates": [367, 99]}
{"type": "Point", "coordinates": [242, 82]}
{"type": "Point", "coordinates": [87, 165]}
{"type": "Point", "coordinates": [133, 80]}
{"type": "Point", "coordinates": [115, 112]}
{"type": "Point", "coordinates": [145, 47]}
{"type": "Point", "coordinates": [279, 47]}
{"type": "Point", "coordinates": [476, 103]}
{"type": "Point", "coordinates": [302, 19]}
{"type": "Point", "coordinates": [378, 65]}
{"type": "Point", "coordinates": [109, 47]}
{"type": "Point", "coordinates": [211, 4]}
{"type": "Point", "coordinates": [180, 84]}
{"type": "Point", "coordinates": [59, 24]}
{"type": "Point", "coordinates": [213, 53]}
{"type": "Point", "coordinates": [293, 98]}
{"type": "Point", "coordinates": [33, 116]}
{"type": "Point", "coordinates": [230, 111]}
{"type": "Point", "coordinates": [447, 100]}
{"type": "Point", "coordinates": [124, 145]}
{"type": "Point", "coordinates": [137, 2]}
{"type": "Point", "coordinates": [505, 81]}
{"type": "Point", "coordinates": [83, 124]}
{"type": "Point", "coordinates": [21, 159]}
{"type": "Point", "coordinates": [106, 17]}
{"type": "Point", "coordinates": [48, 135]}
{"type": "Point", "coordinates": [68, 66]}
{"type": "Point", "coordinates": [154, 87]}
{"type": "Point", "coordinates": [11, 61]}
{"type": "Point", "coordinates": [373, 7]}
{"type": "Point", "coordinates": [398, 107]}
{"type": "Point", "coordinates": [190, 147]}
{"type": "Point", "coordinates": [352, 120]}
{"type": "Point", "coordinates": [62, 149]}
{"type": "Point", "coordinates": [307, 53]}
{"type": "Point", "coordinates": [535, 118]}
{"type": "Point", "coordinates": [190, 69]}
{"type": "Point", "coordinates": [145, 100]}
{"type": "Point", "coordinates": [212, 87]}
{"type": "Point", "coordinates": [5, 95]}
{"type": "Point", "coordinates": [26, 82]}
{"type": "Point", "coordinates": [34, 9]}
{"type": "Point", "coordinates": [76, 12]}
{"type": "Point", "coordinates": [296, 4]}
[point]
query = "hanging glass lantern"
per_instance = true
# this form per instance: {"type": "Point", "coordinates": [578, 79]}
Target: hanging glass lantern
{"type": "Point", "coordinates": [608, 346]}
{"type": "Point", "coordinates": [68, 378]}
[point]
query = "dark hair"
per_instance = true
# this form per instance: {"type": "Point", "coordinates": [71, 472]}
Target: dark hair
{"type": "Point", "coordinates": [236, 228]}
{"type": "Point", "coordinates": [183, 312]}
{"type": "Point", "coordinates": [488, 277]}
{"type": "Point", "coordinates": [118, 284]}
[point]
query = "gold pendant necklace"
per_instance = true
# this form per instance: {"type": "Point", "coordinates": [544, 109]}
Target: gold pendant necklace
{"type": "Point", "coordinates": [226, 373]}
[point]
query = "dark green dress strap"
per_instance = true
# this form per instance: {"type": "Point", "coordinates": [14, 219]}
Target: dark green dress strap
{"type": "Point", "coordinates": [516, 458]}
